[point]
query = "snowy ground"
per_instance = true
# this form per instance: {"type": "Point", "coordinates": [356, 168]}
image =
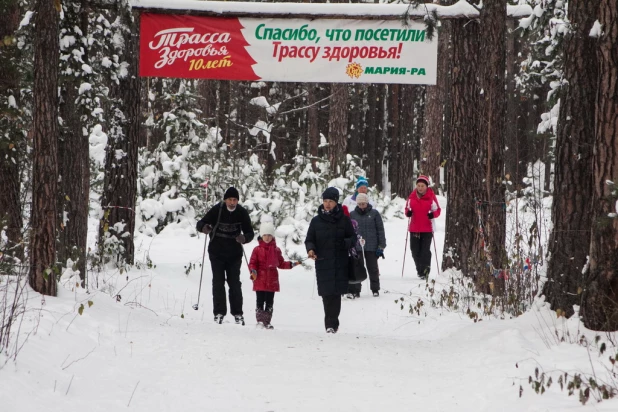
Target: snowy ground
{"type": "Point", "coordinates": [152, 352]}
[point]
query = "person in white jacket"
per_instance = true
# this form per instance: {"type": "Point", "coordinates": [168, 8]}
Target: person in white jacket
{"type": "Point", "coordinates": [362, 186]}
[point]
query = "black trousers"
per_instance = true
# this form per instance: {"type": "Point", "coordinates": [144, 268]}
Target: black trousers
{"type": "Point", "coordinates": [264, 300]}
{"type": "Point", "coordinates": [373, 270]}
{"type": "Point", "coordinates": [420, 245]}
{"type": "Point", "coordinates": [332, 309]}
{"type": "Point", "coordinates": [226, 269]}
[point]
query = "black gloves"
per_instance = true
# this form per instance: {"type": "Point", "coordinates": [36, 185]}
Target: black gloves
{"type": "Point", "coordinates": [206, 229]}
{"type": "Point", "coordinates": [241, 239]}
{"type": "Point", "coordinates": [409, 213]}
{"type": "Point", "coordinates": [430, 215]}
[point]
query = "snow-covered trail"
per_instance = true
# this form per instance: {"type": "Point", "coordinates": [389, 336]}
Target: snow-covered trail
{"type": "Point", "coordinates": [153, 352]}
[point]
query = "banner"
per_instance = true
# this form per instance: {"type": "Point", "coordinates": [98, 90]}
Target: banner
{"type": "Point", "coordinates": [289, 50]}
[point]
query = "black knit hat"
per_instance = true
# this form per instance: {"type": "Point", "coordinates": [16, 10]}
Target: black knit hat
{"type": "Point", "coordinates": [331, 193]}
{"type": "Point", "coordinates": [231, 192]}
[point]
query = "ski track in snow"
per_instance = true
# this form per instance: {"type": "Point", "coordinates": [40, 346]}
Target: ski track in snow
{"type": "Point", "coordinates": [140, 354]}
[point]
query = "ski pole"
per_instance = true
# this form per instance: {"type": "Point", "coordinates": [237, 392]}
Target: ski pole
{"type": "Point", "coordinates": [365, 262]}
{"type": "Point", "coordinates": [246, 260]}
{"type": "Point", "coordinates": [435, 251]}
{"type": "Point", "coordinates": [405, 247]}
{"type": "Point", "coordinates": [197, 305]}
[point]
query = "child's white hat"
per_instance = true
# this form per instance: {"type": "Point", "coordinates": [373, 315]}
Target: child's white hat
{"type": "Point", "coordinates": [267, 226]}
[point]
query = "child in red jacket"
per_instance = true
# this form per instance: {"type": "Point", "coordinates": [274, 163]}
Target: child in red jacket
{"type": "Point", "coordinates": [265, 260]}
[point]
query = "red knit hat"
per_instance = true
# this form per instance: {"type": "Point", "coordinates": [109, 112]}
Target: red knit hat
{"type": "Point", "coordinates": [423, 178]}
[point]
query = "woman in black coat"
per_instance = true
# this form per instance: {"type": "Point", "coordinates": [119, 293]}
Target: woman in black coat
{"type": "Point", "coordinates": [329, 238]}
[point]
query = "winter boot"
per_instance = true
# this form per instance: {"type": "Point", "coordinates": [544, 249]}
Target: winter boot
{"type": "Point", "coordinates": [268, 315]}
{"type": "Point", "coordinates": [376, 293]}
{"type": "Point", "coordinates": [219, 319]}
{"type": "Point", "coordinates": [239, 320]}
{"type": "Point", "coordinates": [331, 330]}
{"type": "Point", "coordinates": [260, 316]}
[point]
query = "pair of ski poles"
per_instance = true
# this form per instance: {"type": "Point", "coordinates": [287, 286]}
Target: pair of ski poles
{"type": "Point", "coordinates": [197, 305]}
{"type": "Point", "coordinates": [405, 247]}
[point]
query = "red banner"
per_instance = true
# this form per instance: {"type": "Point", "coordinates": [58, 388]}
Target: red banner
{"type": "Point", "coordinates": [194, 47]}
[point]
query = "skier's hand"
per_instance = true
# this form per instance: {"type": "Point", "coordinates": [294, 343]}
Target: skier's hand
{"type": "Point", "coordinates": [311, 255]}
{"type": "Point", "coordinates": [430, 215]}
{"type": "Point", "coordinates": [253, 274]}
{"type": "Point", "coordinates": [206, 229]}
{"type": "Point", "coordinates": [361, 241]}
{"type": "Point", "coordinates": [241, 239]}
{"type": "Point", "coordinates": [380, 253]}
{"type": "Point", "coordinates": [409, 213]}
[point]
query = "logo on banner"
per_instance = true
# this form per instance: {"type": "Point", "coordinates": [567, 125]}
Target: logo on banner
{"type": "Point", "coordinates": [354, 70]}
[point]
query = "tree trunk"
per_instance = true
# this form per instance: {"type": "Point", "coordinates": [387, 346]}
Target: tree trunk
{"type": "Point", "coordinates": [223, 109]}
{"type": "Point", "coordinates": [514, 106]}
{"type": "Point", "coordinates": [463, 175]}
{"type": "Point", "coordinates": [569, 242]}
{"type": "Point", "coordinates": [600, 303]}
{"type": "Point", "coordinates": [338, 128]}
{"type": "Point", "coordinates": [380, 136]}
{"type": "Point", "coordinates": [394, 131]}
{"type": "Point", "coordinates": [370, 134]}
{"type": "Point", "coordinates": [10, 141]}
{"type": "Point", "coordinates": [492, 129]}
{"type": "Point", "coordinates": [355, 144]}
{"type": "Point", "coordinates": [45, 151]}
{"type": "Point", "coordinates": [419, 121]}
{"type": "Point", "coordinates": [120, 185]}
{"type": "Point", "coordinates": [406, 147]}
{"type": "Point", "coordinates": [73, 154]}
{"type": "Point", "coordinates": [434, 128]}
{"type": "Point", "coordinates": [313, 133]}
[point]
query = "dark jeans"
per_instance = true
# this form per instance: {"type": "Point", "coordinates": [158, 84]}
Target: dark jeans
{"type": "Point", "coordinates": [420, 245]}
{"type": "Point", "coordinates": [226, 270]}
{"type": "Point", "coordinates": [264, 300]}
{"type": "Point", "coordinates": [372, 269]}
{"type": "Point", "coordinates": [332, 309]}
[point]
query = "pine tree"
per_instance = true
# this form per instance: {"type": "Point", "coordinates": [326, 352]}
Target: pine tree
{"type": "Point", "coordinates": [572, 207]}
{"type": "Point", "coordinates": [77, 103]}
{"type": "Point", "coordinates": [120, 184]}
{"type": "Point", "coordinates": [600, 301]}
{"type": "Point", "coordinates": [45, 156]}
{"type": "Point", "coordinates": [12, 138]}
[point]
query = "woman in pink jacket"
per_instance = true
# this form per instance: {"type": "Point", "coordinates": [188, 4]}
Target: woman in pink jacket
{"type": "Point", "coordinates": [422, 207]}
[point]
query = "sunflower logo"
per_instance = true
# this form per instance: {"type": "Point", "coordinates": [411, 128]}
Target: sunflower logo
{"type": "Point", "coordinates": [354, 70]}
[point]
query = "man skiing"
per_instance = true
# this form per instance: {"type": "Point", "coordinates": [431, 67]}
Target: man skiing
{"type": "Point", "coordinates": [229, 227]}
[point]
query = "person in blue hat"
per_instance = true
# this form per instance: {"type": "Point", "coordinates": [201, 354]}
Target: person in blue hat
{"type": "Point", "coordinates": [362, 186]}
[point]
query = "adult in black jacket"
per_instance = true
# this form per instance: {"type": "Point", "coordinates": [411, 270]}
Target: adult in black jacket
{"type": "Point", "coordinates": [329, 238]}
{"type": "Point", "coordinates": [229, 227]}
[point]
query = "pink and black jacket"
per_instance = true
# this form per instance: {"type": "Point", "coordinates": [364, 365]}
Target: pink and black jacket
{"type": "Point", "coordinates": [420, 207]}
